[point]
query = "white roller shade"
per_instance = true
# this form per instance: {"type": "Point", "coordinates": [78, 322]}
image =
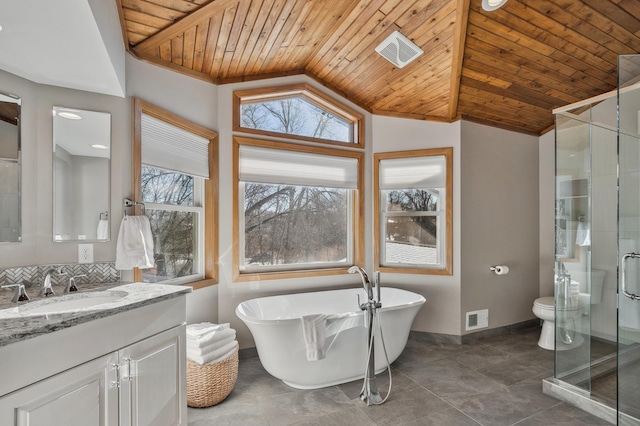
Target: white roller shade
{"type": "Point", "coordinates": [171, 148]}
{"type": "Point", "coordinates": [413, 172]}
{"type": "Point", "coordinates": [275, 166]}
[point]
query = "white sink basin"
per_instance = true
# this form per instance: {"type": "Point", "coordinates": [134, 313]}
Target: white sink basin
{"type": "Point", "coordinates": [72, 302]}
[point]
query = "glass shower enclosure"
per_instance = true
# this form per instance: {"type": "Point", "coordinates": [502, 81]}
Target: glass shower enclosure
{"type": "Point", "coordinates": [629, 240]}
{"type": "Point", "coordinates": [597, 246]}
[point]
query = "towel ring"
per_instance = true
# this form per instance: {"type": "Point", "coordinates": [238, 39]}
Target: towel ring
{"type": "Point", "coordinates": [130, 203]}
{"type": "Point", "coordinates": [106, 215]}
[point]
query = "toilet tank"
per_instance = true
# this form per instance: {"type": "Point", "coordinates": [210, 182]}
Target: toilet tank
{"type": "Point", "coordinates": [590, 283]}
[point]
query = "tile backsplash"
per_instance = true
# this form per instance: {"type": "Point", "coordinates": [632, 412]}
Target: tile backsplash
{"type": "Point", "coordinates": [34, 275]}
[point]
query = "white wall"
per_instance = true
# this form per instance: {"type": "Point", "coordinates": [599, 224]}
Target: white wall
{"type": "Point", "coordinates": [37, 246]}
{"type": "Point", "coordinates": [499, 223]}
{"type": "Point", "coordinates": [441, 313]}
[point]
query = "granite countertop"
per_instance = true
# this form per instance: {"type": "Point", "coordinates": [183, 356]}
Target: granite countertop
{"type": "Point", "coordinates": [17, 323]}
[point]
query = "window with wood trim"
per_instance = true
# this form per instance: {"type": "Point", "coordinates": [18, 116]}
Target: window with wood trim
{"type": "Point", "coordinates": [175, 176]}
{"type": "Point", "coordinates": [413, 211]}
{"type": "Point", "coordinates": [297, 112]}
{"type": "Point", "coordinates": [296, 210]}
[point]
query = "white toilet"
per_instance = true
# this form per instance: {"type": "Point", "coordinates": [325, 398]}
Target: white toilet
{"type": "Point", "coordinates": [544, 307]}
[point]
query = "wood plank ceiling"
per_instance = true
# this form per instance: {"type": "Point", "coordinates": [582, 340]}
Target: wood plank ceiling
{"type": "Point", "coordinates": [507, 68]}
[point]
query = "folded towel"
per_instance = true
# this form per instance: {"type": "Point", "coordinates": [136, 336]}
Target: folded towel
{"type": "Point", "coordinates": [200, 329]}
{"type": "Point", "coordinates": [583, 234]}
{"type": "Point", "coordinates": [314, 331]}
{"type": "Point", "coordinates": [206, 350]}
{"type": "Point", "coordinates": [211, 338]}
{"type": "Point", "coordinates": [337, 323]}
{"type": "Point", "coordinates": [214, 356]}
{"type": "Point", "coordinates": [103, 229]}
{"type": "Point", "coordinates": [134, 248]}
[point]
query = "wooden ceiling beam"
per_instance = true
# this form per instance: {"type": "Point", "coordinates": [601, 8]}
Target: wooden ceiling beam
{"type": "Point", "coordinates": [459, 38]}
{"type": "Point", "coordinates": [183, 24]}
{"type": "Point", "coordinates": [153, 59]}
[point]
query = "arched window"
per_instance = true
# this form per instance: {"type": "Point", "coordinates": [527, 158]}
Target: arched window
{"type": "Point", "coordinates": [297, 112]}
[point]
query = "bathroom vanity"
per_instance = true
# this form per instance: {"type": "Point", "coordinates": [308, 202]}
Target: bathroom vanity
{"type": "Point", "coordinates": [119, 363]}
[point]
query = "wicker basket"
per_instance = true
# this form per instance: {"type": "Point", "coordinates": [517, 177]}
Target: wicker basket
{"type": "Point", "coordinates": [209, 384]}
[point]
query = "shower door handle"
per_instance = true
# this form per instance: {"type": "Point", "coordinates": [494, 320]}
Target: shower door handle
{"type": "Point", "coordinates": [623, 278]}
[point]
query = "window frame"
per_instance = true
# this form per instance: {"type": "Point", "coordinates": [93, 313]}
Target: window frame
{"type": "Point", "coordinates": [447, 267]}
{"type": "Point", "coordinates": [211, 187]}
{"type": "Point", "coordinates": [311, 95]}
{"type": "Point", "coordinates": [357, 214]}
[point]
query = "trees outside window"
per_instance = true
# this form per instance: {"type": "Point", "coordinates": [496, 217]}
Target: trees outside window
{"type": "Point", "coordinates": [297, 209]}
{"type": "Point", "coordinates": [174, 207]}
{"type": "Point", "coordinates": [294, 225]}
{"type": "Point", "coordinates": [295, 116]}
{"type": "Point", "coordinates": [297, 112]}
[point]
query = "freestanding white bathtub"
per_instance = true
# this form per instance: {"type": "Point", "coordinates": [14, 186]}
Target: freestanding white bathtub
{"type": "Point", "coordinates": [276, 325]}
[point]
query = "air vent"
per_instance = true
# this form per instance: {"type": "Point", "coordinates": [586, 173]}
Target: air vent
{"type": "Point", "coordinates": [477, 319]}
{"type": "Point", "coordinates": [398, 49]}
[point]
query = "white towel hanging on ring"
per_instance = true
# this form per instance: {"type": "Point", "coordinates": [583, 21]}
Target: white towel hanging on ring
{"type": "Point", "coordinates": [134, 248]}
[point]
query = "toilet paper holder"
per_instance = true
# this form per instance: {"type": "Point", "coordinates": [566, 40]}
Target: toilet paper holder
{"type": "Point", "coordinates": [500, 269]}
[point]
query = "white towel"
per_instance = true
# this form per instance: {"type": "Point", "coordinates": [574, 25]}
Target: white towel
{"type": "Point", "coordinates": [583, 234]}
{"type": "Point", "coordinates": [206, 350]}
{"type": "Point", "coordinates": [214, 356]}
{"type": "Point", "coordinates": [337, 323]}
{"type": "Point", "coordinates": [103, 229]}
{"type": "Point", "coordinates": [200, 329]}
{"type": "Point", "coordinates": [134, 248]}
{"type": "Point", "coordinates": [208, 339]}
{"type": "Point", "coordinates": [314, 331]}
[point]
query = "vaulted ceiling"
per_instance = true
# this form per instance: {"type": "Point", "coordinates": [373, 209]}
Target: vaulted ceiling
{"type": "Point", "coordinates": [507, 68]}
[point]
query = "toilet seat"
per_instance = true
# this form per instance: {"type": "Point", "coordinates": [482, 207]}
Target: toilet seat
{"type": "Point", "coordinates": [549, 303]}
{"type": "Point", "coordinates": [545, 302]}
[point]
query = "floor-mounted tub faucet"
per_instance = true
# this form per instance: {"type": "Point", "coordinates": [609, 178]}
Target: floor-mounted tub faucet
{"type": "Point", "coordinates": [369, 394]}
{"type": "Point", "coordinates": [365, 280]}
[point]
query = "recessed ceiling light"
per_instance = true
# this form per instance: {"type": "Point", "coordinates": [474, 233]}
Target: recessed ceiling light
{"type": "Point", "coordinates": [98, 146]}
{"type": "Point", "coordinates": [69, 115]}
{"type": "Point", "coordinates": [0, 27]}
{"type": "Point", "coordinates": [490, 5]}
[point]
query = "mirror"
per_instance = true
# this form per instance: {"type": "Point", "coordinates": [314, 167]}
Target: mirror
{"type": "Point", "coordinates": [81, 165]}
{"type": "Point", "coordinates": [10, 218]}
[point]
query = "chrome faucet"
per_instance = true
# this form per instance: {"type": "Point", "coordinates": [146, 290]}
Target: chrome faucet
{"type": "Point", "coordinates": [47, 289]}
{"type": "Point", "coordinates": [20, 295]}
{"type": "Point", "coordinates": [365, 279]}
{"type": "Point", "coordinates": [370, 393]}
{"type": "Point", "coordinates": [71, 285]}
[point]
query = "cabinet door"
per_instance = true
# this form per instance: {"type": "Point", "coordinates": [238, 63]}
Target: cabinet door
{"type": "Point", "coordinates": [153, 384]}
{"type": "Point", "coordinates": [81, 396]}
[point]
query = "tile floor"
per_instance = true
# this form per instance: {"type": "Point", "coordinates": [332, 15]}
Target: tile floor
{"type": "Point", "coordinates": [495, 381]}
